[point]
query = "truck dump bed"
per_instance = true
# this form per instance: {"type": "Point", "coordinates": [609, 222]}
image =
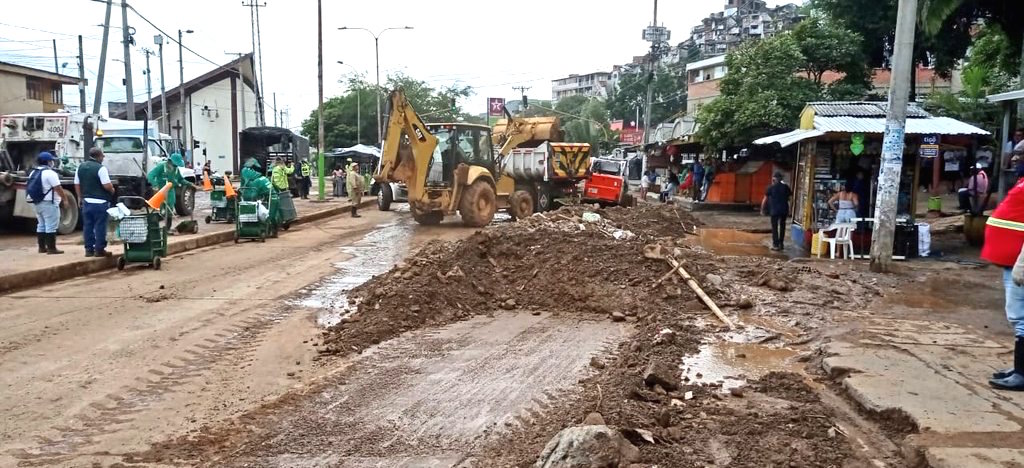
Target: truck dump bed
{"type": "Point", "coordinates": [549, 162]}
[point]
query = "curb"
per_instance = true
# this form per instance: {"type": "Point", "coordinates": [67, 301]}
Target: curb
{"type": "Point", "coordinates": [27, 279]}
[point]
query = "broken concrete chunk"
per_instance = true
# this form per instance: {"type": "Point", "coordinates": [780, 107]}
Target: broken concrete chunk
{"type": "Point", "coordinates": [618, 317]}
{"type": "Point", "coordinates": [509, 304]}
{"type": "Point", "coordinates": [713, 279]}
{"type": "Point", "coordinates": [588, 446]}
{"type": "Point", "coordinates": [745, 303]}
{"type": "Point", "coordinates": [660, 373]}
{"type": "Point", "coordinates": [736, 392]}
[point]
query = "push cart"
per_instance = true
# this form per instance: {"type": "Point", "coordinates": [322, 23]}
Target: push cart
{"type": "Point", "coordinates": [222, 208]}
{"type": "Point", "coordinates": [144, 237]}
{"type": "Point", "coordinates": [250, 223]}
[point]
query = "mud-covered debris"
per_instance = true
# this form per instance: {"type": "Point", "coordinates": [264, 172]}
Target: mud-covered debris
{"type": "Point", "coordinates": [588, 447]}
{"type": "Point", "coordinates": [597, 363]}
{"type": "Point", "coordinates": [737, 392]}
{"type": "Point", "coordinates": [745, 303]}
{"type": "Point", "coordinates": [713, 279]}
{"type": "Point", "coordinates": [509, 304]}
{"type": "Point", "coordinates": [593, 419]}
{"type": "Point", "coordinates": [660, 373]}
{"type": "Point", "coordinates": [618, 317]}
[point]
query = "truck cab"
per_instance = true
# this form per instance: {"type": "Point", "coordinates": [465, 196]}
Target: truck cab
{"type": "Point", "coordinates": [129, 164]}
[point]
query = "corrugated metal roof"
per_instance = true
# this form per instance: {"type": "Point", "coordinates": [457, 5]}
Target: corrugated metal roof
{"type": "Point", "coordinates": [786, 139]}
{"type": "Point", "coordinates": [861, 109]}
{"type": "Point", "coordinates": [1008, 96]}
{"type": "Point", "coordinates": [918, 126]}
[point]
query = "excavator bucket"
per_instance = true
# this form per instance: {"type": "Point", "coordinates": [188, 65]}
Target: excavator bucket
{"type": "Point", "coordinates": [530, 130]}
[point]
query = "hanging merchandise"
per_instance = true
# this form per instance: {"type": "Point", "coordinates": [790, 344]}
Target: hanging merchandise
{"type": "Point", "coordinates": [857, 144]}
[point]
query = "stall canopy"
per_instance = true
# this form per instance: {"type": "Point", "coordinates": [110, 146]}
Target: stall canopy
{"type": "Point", "coordinates": [819, 118]}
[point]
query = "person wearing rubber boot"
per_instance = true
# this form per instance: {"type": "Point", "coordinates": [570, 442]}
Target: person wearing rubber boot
{"type": "Point", "coordinates": [356, 186]}
{"type": "Point", "coordinates": [160, 175]}
{"type": "Point", "coordinates": [44, 193]}
{"type": "Point", "coordinates": [1004, 246]}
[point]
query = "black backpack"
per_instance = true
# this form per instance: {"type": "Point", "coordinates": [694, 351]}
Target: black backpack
{"type": "Point", "coordinates": [34, 188]}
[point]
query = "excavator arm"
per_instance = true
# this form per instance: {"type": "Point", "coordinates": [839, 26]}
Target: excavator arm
{"type": "Point", "coordinates": [406, 163]}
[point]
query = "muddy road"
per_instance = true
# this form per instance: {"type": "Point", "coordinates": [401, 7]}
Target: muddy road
{"type": "Point", "coordinates": [106, 364]}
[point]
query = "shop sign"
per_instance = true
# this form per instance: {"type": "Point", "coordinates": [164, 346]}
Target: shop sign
{"type": "Point", "coordinates": [929, 146]}
{"type": "Point", "coordinates": [631, 136]}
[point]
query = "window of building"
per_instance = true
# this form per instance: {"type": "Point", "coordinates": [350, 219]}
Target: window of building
{"type": "Point", "coordinates": [33, 89]}
{"type": "Point", "coordinates": [57, 94]}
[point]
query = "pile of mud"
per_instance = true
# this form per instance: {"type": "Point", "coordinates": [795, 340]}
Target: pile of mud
{"type": "Point", "coordinates": [557, 262]}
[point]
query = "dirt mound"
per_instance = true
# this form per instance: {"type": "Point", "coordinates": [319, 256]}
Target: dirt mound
{"type": "Point", "coordinates": [557, 262]}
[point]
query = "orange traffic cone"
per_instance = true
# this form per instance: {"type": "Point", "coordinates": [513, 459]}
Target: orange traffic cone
{"type": "Point", "coordinates": [229, 190]}
{"type": "Point", "coordinates": [207, 185]}
{"type": "Point", "coordinates": [158, 199]}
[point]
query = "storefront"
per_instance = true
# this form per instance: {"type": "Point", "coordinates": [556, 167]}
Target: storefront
{"type": "Point", "coordinates": [840, 144]}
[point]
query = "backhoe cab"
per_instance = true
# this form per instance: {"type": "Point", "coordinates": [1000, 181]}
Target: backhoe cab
{"type": "Point", "coordinates": [448, 168]}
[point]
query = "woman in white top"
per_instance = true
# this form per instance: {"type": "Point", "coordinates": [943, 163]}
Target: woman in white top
{"type": "Point", "coordinates": [845, 202]}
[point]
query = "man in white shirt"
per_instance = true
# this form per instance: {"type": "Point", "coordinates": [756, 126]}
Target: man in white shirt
{"type": "Point", "coordinates": [48, 205]}
{"type": "Point", "coordinates": [92, 183]}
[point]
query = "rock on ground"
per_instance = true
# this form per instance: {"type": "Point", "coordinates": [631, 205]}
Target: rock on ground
{"type": "Point", "coordinates": [588, 447]}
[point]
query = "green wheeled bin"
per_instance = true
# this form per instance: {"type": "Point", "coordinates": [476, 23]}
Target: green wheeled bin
{"type": "Point", "coordinates": [286, 210]}
{"type": "Point", "coordinates": [144, 236]}
{"type": "Point", "coordinates": [222, 208]}
{"type": "Point", "coordinates": [256, 216]}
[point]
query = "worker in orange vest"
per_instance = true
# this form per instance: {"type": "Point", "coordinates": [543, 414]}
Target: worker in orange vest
{"type": "Point", "coordinates": [1004, 246]}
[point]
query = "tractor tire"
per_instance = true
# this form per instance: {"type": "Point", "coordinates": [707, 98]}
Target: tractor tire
{"type": "Point", "coordinates": [520, 205]}
{"type": "Point", "coordinates": [385, 197]}
{"type": "Point", "coordinates": [478, 204]}
{"type": "Point", "coordinates": [430, 218]}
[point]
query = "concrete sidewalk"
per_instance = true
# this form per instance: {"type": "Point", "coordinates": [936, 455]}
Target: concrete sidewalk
{"type": "Point", "coordinates": [936, 374]}
{"type": "Point", "coordinates": [24, 267]}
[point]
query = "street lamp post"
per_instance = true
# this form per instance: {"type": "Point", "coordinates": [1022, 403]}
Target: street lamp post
{"type": "Point", "coordinates": [359, 105]}
{"type": "Point", "coordinates": [376, 46]}
{"type": "Point", "coordinates": [181, 93]}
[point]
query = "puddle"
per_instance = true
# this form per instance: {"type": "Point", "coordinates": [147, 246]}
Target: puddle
{"type": "Point", "coordinates": [744, 354]}
{"type": "Point", "coordinates": [732, 364]}
{"type": "Point", "coordinates": [732, 242]}
{"type": "Point", "coordinates": [374, 254]}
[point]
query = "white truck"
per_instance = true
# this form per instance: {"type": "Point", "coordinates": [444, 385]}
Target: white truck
{"type": "Point", "coordinates": [67, 136]}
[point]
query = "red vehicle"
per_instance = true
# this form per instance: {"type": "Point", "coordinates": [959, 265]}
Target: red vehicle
{"type": "Point", "coordinates": [607, 183]}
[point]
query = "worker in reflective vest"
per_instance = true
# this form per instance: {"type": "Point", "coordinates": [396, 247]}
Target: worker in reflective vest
{"type": "Point", "coordinates": [1004, 246]}
{"type": "Point", "coordinates": [305, 184]}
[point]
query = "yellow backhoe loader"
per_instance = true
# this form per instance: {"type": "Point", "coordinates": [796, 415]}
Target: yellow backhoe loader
{"type": "Point", "coordinates": [451, 168]}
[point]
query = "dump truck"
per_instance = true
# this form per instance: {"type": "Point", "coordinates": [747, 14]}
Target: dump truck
{"type": "Point", "coordinates": [451, 168]}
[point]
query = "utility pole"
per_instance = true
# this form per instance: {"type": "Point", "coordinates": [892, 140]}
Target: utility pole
{"type": "Point", "coordinates": [654, 35]}
{"type": "Point", "coordinates": [56, 67]}
{"type": "Point", "coordinates": [149, 85]}
{"type": "Point", "coordinates": [275, 109]}
{"type": "Point", "coordinates": [892, 143]}
{"type": "Point", "coordinates": [126, 39]}
{"type": "Point", "coordinates": [103, 62]}
{"type": "Point", "coordinates": [81, 75]}
{"type": "Point", "coordinates": [159, 39]}
{"type": "Point", "coordinates": [522, 91]}
{"type": "Point", "coordinates": [257, 50]}
{"type": "Point", "coordinates": [185, 112]}
{"type": "Point", "coordinates": [320, 106]}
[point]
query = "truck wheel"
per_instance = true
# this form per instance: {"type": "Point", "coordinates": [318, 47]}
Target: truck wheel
{"type": "Point", "coordinates": [520, 205]}
{"type": "Point", "coordinates": [68, 216]}
{"type": "Point", "coordinates": [478, 204]}
{"type": "Point", "coordinates": [185, 203]}
{"type": "Point", "coordinates": [385, 196]}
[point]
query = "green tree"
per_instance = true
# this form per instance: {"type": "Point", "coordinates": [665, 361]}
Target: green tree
{"type": "Point", "coordinates": [669, 96]}
{"type": "Point", "coordinates": [340, 117]}
{"type": "Point", "coordinates": [763, 93]}
{"type": "Point", "coordinates": [433, 105]}
{"type": "Point", "coordinates": [830, 47]}
{"type": "Point", "coordinates": [938, 16]}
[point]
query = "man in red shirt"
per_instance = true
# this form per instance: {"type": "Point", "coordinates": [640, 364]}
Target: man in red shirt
{"type": "Point", "coordinates": [1004, 246]}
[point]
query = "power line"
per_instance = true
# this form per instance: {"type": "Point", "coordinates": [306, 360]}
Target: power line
{"type": "Point", "coordinates": [171, 38]}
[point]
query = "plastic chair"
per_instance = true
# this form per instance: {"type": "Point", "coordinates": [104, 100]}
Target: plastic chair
{"type": "Point", "coordinates": [843, 238]}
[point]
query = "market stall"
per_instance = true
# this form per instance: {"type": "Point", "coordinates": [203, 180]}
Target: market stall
{"type": "Point", "coordinates": [840, 143]}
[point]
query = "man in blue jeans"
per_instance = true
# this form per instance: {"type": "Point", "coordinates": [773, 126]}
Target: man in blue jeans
{"type": "Point", "coordinates": [92, 182]}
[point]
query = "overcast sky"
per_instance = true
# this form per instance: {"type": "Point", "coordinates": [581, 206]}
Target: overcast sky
{"type": "Point", "coordinates": [491, 46]}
